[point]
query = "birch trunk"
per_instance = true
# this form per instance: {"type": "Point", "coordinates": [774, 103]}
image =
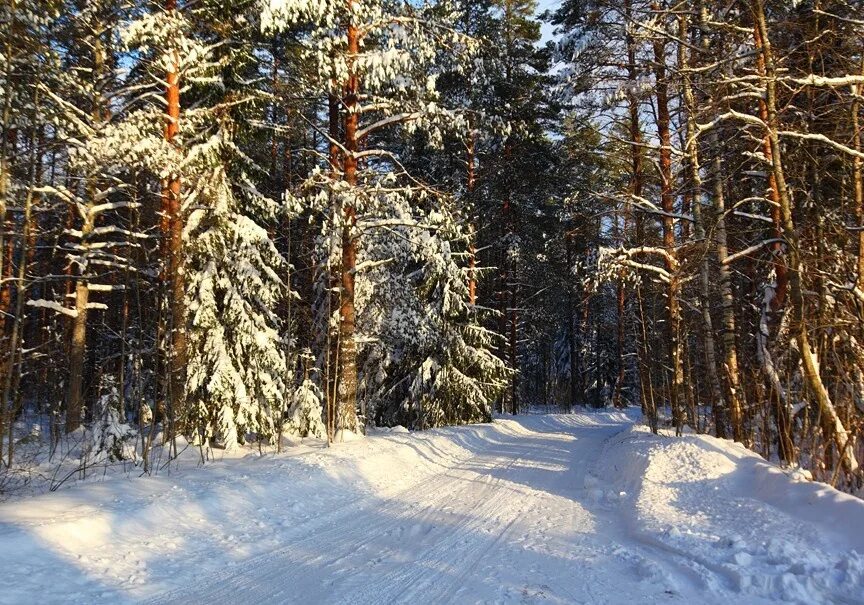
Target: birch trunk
{"type": "Point", "coordinates": [727, 302]}
{"type": "Point", "coordinates": [693, 164]}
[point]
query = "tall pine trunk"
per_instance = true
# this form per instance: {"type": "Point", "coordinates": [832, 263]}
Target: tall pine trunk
{"type": "Point", "coordinates": [78, 340]}
{"type": "Point", "coordinates": [775, 295]}
{"type": "Point", "coordinates": [346, 413]}
{"type": "Point", "coordinates": [667, 199]}
{"type": "Point", "coordinates": [470, 183]}
{"type": "Point", "coordinates": [11, 377]}
{"type": "Point", "coordinates": [5, 182]}
{"type": "Point", "coordinates": [172, 225]}
{"type": "Point", "coordinates": [576, 395]}
{"type": "Point", "coordinates": [635, 189]}
{"type": "Point", "coordinates": [331, 347]}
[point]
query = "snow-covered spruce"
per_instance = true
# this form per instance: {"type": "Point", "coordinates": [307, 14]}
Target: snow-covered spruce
{"type": "Point", "coordinates": [416, 355]}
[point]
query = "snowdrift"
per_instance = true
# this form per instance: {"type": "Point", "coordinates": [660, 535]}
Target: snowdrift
{"type": "Point", "coordinates": [738, 523]}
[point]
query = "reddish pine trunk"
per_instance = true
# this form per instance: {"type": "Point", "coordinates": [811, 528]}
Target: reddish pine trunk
{"type": "Point", "coordinates": [346, 414]}
{"type": "Point", "coordinates": [172, 226]}
{"type": "Point", "coordinates": [6, 287]}
{"type": "Point", "coordinates": [667, 198]}
{"type": "Point", "coordinates": [780, 269]}
{"type": "Point", "coordinates": [472, 251]}
{"type": "Point", "coordinates": [636, 187]}
{"type": "Point", "coordinates": [786, 447]}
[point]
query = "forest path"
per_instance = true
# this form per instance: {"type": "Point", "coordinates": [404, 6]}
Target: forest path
{"type": "Point", "coordinates": [513, 522]}
{"type": "Point", "coordinates": [583, 508]}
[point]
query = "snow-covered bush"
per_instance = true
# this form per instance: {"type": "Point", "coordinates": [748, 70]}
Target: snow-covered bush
{"type": "Point", "coordinates": [108, 438]}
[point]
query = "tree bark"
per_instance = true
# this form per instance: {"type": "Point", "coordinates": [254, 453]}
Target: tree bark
{"type": "Point", "coordinates": [173, 223]}
{"type": "Point", "coordinates": [695, 178]}
{"type": "Point", "coordinates": [78, 340]}
{"type": "Point", "coordinates": [727, 302]}
{"type": "Point", "coordinates": [470, 183]}
{"type": "Point", "coordinates": [12, 375]}
{"type": "Point", "coordinates": [635, 188]}
{"type": "Point", "coordinates": [780, 270]}
{"type": "Point", "coordinates": [346, 414]}
{"type": "Point", "coordinates": [667, 198]}
{"type": "Point", "coordinates": [858, 174]}
{"type": "Point", "coordinates": [572, 342]}
{"type": "Point", "coordinates": [620, 300]}
{"type": "Point", "coordinates": [331, 350]}
{"type": "Point", "coordinates": [5, 180]}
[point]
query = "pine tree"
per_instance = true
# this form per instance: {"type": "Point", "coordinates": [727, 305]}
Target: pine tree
{"type": "Point", "coordinates": [365, 188]}
{"type": "Point", "coordinates": [237, 374]}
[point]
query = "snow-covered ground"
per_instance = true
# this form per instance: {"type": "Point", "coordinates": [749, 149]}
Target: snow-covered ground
{"type": "Point", "coordinates": [583, 508]}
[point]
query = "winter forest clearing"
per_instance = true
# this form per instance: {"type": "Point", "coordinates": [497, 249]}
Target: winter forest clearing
{"type": "Point", "coordinates": [583, 508]}
{"type": "Point", "coordinates": [283, 261]}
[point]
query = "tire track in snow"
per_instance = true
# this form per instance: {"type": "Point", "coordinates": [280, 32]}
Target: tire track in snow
{"type": "Point", "coordinates": [337, 524]}
{"type": "Point", "coordinates": [459, 522]}
{"type": "Point", "coordinates": [406, 582]}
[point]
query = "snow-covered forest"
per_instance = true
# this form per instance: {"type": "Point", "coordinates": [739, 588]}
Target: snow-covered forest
{"type": "Point", "coordinates": [235, 221]}
{"type": "Point", "coordinates": [237, 227]}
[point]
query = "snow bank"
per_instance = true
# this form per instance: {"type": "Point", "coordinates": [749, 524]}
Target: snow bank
{"type": "Point", "coordinates": [128, 538]}
{"type": "Point", "coordinates": [739, 524]}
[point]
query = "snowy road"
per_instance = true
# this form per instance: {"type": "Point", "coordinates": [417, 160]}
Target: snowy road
{"type": "Point", "coordinates": [541, 509]}
{"type": "Point", "coordinates": [508, 524]}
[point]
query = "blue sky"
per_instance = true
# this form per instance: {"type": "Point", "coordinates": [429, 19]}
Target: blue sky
{"type": "Point", "coordinates": [543, 5]}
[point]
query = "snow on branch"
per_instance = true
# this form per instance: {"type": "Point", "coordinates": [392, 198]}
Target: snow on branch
{"type": "Point", "coordinates": [53, 306]}
{"type": "Point", "coordinates": [645, 205]}
{"type": "Point", "coordinates": [823, 82]}
{"type": "Point", "coordinates": [755, 217]}
{"type": "Point", "coordinates": [851, 288]}
{"type": "Point", "coordinates": [661, 273]}
{"type": "Point", "coordinates": [389, 121]}
{"type": "Point", "coordinates": [752, 249]}
{"type": "Point", "coordinates": [730, 115]}
{"type": "Point", "coordinates": [821, 138]}
{"type": "Point", "coordinates": [370, 264]}
{"type": "Point", "coordinates": [623, 257]}
{"type": "Point", "coordinates": [838, 17]}
{"type": "Point", "coordinates": [662, 252]}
